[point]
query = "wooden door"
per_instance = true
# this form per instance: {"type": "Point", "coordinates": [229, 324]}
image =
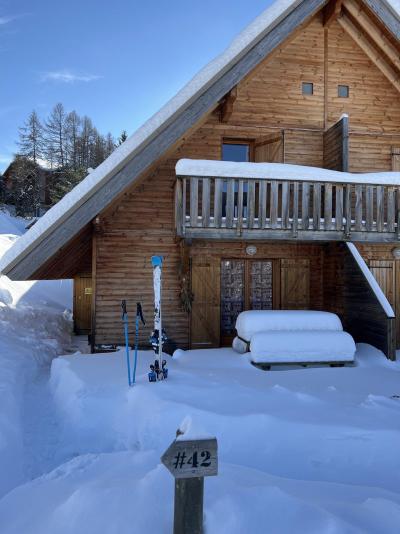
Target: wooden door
{"type": "Point", "coordinates": [205, 315]}
{"type": "Point", "coordinates": [233, 296]}
{"type": "Point", "coordinates": [387, 274]}
{"type": "Point", "coordinates": [269, 149]}
{"type": "Point", "coordinates": [245, 285]}
{"type": "Point", "coordinates": [384, 274]}
{"type": "Point", "coordinates": [295, 284]}
{"type": "Point", "coordinates": [83, 290]}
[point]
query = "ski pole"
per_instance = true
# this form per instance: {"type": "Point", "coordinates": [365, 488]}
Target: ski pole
{"type": "Point", "coordinates": [125, 321]}
{"type": "Point", "coordinates": [139, 316]}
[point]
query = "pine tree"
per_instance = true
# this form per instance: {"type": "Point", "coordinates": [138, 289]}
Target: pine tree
{"type": "Point", "coordinates": [122, 138]}
{"type": "Point", "coordinates": [31, 143]}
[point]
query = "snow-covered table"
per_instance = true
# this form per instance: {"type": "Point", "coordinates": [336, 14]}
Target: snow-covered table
{"type": "Point", "coordinates": [292, 337]}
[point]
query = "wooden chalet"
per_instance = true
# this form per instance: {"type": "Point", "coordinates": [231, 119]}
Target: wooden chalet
{"type": "Point", "coordinates": [310, 83]}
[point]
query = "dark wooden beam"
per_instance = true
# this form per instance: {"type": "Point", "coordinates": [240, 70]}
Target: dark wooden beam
{"type": "Point", "coordinates": [226, 109]}
{"type": "Point", "coordinates": [160, 142]}
{"type": "Point", "coordinates": [332, 11]}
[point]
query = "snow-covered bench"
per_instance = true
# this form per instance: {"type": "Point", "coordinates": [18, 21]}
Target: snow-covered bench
{"type": "Point", "coordinates": [293, 336]}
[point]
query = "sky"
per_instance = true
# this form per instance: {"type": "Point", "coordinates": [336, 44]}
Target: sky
{"type": "Point", "coordinates": [117, 61]}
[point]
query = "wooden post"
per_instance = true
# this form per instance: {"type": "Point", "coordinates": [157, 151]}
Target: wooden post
{"type": "Point", "coordinates": [189, 461]}
{"type": "Point", "coordinates": [188, 507]}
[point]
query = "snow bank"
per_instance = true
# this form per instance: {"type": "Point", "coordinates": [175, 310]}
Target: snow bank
{"type": "Point", "coordinates": [250, 322]}
{"type": "Point", "coordinates": [298, 347]}
{"type": "Point", "coordinates": [299, 450]}
{"type": "Point", "coordinates": [11, 225]}
{"type": "Point", "coordinates": [279, 171]}
{"type": "Point", "coordinates": [34, 328]}
{"type": "Point", "coordinates": [85, 189]}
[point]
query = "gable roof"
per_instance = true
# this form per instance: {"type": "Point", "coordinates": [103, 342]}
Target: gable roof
{"type": "Point", "coordinates": [62, 222]}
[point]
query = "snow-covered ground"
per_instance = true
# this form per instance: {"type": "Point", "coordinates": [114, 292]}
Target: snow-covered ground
{"type": "Point", "coordinates": [34, 327]}
{"type": "Point", "coordinates": [310, 450]}
{"type": "Point", "coordinates": [301, 450]}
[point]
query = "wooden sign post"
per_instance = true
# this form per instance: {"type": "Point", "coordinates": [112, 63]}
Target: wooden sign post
{"type": "Point", "coordinates": [190, 461]}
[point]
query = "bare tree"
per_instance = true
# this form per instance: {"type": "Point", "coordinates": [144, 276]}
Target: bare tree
{"type": "Point", "coordinates": [72, 133]}
{"type": "Point", "coordinates": [55, 134]}
{"type": "Point", "coordinates": [31, 138]}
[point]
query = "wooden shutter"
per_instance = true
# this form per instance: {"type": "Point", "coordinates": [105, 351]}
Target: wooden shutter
{"type": "Point", "coordinates": [295, 284]}
{"type": "Point", "coordinates": [205, 315]}
{"type": "Point", "coordinates": [396, 159]}
{"type": "Point", "coordinates": [269, 149]}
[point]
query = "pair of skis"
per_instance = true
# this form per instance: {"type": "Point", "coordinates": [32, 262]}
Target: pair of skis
{"type": "Point", "coordinates": [159, 370]}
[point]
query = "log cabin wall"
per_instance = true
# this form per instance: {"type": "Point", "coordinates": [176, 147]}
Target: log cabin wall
{"type": "Point", "coordinates": [141, 224]}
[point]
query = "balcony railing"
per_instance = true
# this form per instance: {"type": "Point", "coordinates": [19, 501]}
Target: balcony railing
{"type": "Point", "coordinates": [251, 208]}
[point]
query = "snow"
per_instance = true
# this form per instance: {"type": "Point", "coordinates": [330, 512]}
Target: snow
{"type": "Point", "coordinates": [300, 450]}
{"type": "Point", "coordinates": [11, 225]}
{"type": "Point", "coordinates": [297, 347]}
{"type": "Point", "coordinates": [371, 280]}
{"type": "Point", "coordinates": [34, 328]}
{"type": "Point", "coordinates": [104, 172]}
{"type": "Point", "coordinates": [250, 322]}
{"type": "Point", "coordinates": [279, 171]}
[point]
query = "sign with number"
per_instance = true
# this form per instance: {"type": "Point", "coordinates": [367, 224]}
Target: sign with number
{"type": "Point", "coordinates": [188, 459]}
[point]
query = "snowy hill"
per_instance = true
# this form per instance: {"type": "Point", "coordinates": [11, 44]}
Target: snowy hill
{"type": "Point", "coordinates": [34, 327]}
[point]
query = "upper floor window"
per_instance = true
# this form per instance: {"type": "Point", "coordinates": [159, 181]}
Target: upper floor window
{"type": "Point", "coordinates": [307, 88]}
{"type": "Point", "coordinates": [235, 151]}
{"type": "Point", "coordinates": [343, 91]}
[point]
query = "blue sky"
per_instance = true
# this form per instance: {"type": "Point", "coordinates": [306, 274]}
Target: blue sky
{"type": "Point", "coordinates": [118, 61]}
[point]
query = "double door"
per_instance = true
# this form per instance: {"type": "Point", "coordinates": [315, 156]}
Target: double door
{"type": "Point", "coordinates": [224, 287]}
{"type": "Point", "coordinates": [246, 285]}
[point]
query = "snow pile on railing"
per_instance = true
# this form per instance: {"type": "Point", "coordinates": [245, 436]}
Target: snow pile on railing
{"type": "Point", "coordinates": [280, 171]}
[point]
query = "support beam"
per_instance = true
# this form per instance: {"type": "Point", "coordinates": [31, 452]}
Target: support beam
{"type": "Point", "coordinates": [373, 54]}
{"type": "Point", "coordinates": [227, 105]}
{"type": "Point", "coordinates": [332, 11]}
{"type": "Point", "coordinates": [378, 36]}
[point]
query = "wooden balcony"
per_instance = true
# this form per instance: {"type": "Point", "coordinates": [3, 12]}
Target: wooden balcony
{"type": "Point", "coordinates": [287, 209]}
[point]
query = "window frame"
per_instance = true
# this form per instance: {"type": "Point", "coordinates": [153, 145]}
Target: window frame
{"type": "Point", "coordinates": [343, 86]}
{"type": "Point", "coordinates": [238, 141]}
{"type": "Point", "coordinates": [307, 84]}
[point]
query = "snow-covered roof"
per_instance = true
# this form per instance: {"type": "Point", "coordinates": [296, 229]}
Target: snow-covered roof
{"type": "Point", "coordinates": [159, 122]}
{"type": "Point", "coordinates": [280, 171]}
{"type": "Point", "coordinates": [55, 216]}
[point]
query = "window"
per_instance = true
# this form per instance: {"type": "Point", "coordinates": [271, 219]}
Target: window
{"type": "Point", "coordinates": [343, 91]}
{"type": "Point", "coordinates": [307, 88]}
{"type": "Point", "coordinates": [235, 151]}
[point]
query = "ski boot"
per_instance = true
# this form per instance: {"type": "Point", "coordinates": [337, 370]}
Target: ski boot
{"type": "Point", "coordinates": [152, 374]}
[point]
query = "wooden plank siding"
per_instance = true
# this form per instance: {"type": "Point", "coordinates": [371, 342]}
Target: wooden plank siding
{"type": "Point", "coordinates": [336, 146]}
{"type": "Point", "coordinates": [142, 222]}
{"type": "Point", "coordinates": [347, 293]}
